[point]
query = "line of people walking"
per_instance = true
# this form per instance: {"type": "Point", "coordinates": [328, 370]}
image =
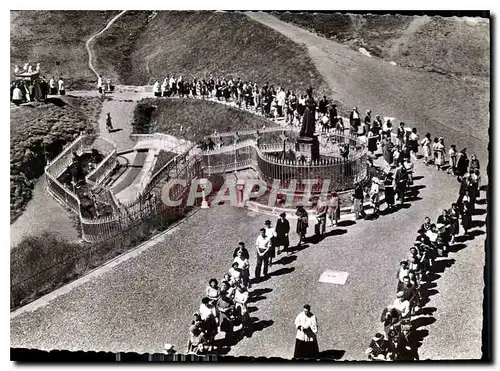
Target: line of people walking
{"type": "Point", "coordinates": [433, 242]}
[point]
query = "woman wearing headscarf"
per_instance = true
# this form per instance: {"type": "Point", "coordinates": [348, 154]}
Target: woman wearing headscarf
{"type": "Point", "coordinates": [306, 342]}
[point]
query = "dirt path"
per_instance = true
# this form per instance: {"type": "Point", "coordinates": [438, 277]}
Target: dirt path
{"type": "Point", "coordinates": [410, 30]}
{"type": "Point", "coordinates": [89, 41]}
{"type": "Point", "coordinates": [434, 103]}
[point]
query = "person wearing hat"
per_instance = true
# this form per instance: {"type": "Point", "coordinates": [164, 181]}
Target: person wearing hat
{"type": "Point", "coordinates": [262, 245]}
{"type": "Point", "coordinates": [271, 235]}
{"type": "Point", "coordinates": [306, 342]}
{"type": "Point", "coordinates": [379, 349]}
{"type": "Point", "coordinates": [282, 231]}
{"type": "Point", "coordinates": [302, 223]}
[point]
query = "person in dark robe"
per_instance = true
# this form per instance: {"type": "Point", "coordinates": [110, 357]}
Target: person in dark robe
{"type": "Point", "coordinates": [401, 135]}
{"type": "Point", "coordinates": [462, 163]}
{"type": "Point", "coordinates": [306, 342]}
{"type": "Point", "coordinates": [401, 182]}
{"type": "Point", "coordinates": [466, 216]}
{"type": "Point", "coordinates": [454, 214]}
{"type": "Point", "coordinates": [282, 231]}
{"type": "Point", "coordinates": [309, 118]}
{"type": "Point", "coordinates": [109, 124]}
{"type": "Point", "coordinates": [464, 187]}
{"type": "Point", "coordinates": [302, 223]}
{"type": "Point", "coordinates": [355, 119]}
{"type": "Point", "coordinates": [323, 105]}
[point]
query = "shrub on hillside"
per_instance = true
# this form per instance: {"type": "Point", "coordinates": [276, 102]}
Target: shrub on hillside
{"type": "Point", "coordinates": [38, 133]}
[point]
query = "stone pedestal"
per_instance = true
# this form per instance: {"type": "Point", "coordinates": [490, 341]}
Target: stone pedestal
{"type": "Point", "coordinates": [307, 147]}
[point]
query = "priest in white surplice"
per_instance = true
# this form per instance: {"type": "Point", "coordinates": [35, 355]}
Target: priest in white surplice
{"type": "Point", "coordinates": [306, 342]}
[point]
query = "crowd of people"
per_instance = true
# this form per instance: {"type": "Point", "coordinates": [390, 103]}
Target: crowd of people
{"type": "Point", "coordinates": [31, 90]}
{"type": "Point", "coordinates": [433, 241]}
{"type": "Point", "coordinates": [224, 306]}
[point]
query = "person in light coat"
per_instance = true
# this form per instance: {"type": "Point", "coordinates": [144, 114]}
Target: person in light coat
{"type": "Point", "coordinates": [306, 342]}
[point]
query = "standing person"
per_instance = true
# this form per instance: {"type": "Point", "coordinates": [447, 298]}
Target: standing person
{"type": "Point", "coordinates": [466, 216]}
{"type": "Point", "coordinates": [302, 223]}
{"type": "Point", "coordinates": [225, 307]}
{"type": "Point", "coordinates": [262, 245]}
{"type": "Point", "coordinates": [156, 89]}
{"type": "Point", "coordinates": [17, 96]}
{"type": "Point", "coordinates": [109, 124]}
{"type": "Point", "coordinates": [271, 235]}
{"type": "Point", "coordinates": [374, 195]}
{"type": "Point", "coordinates": [408, 166]}
{"type": "Point", "coordinates": [306, 342]}
{"type": "Point", "coordinates": [355, 119]}
{"type": "Point", "coordinates": [241, 310]}
{"type": "Point", "coordinates": [413, 143]}
{"type": "Point", "coordinates": [389, 190]}
{"type": "Point", "coordinates": [244, 265]}
{"type": "Point", "coordinates": [358, 198]}
{"type": "Point", "coordinates": [208, 316]}
{"type": "Point", "coordinates": [474, 164]}
{"type": "Point", "coordinates": [464, 186]}
{"type": "Point", "coordinates": [452, 153]}
{"type": "Point", "coordinates": [426, 148]}
{"type": "Point", "coordinates": [321, 213]}
{"type": "Point", "coordinates": [281, 97]}
{"type": "Point", "coordinates": [241, 248]}
{"type": "Point", "coordinates": [401, 182]}
{"type": "Point", "coordinates": [401, 135]}
{"type": "Point", "coordinates": [323, 106]}
{"type": "Point", "coordinates": [462, 163]}
{"type": "Point", "coordinates": [164, 88]}
{"type": "Point", "coordinates": [434, 151]}
{"type": "Point", "coordinates": [53, 86]}
{"type": "Point", "coordinates": [387, 149]}
{"type": "Point", "coordinates": [334, 209]}
{"type": "Point", "coordinates": [62, 89]}
{"type": "Point", "coordinates": [282, 231]}
{"type": "Point", "coordinates": [439, 152]}
{"type": "Point", "coordinates": [99, 84]}
{"type": "Point", "coordinates": [333, 117]}
{"type": "Point", "coordinates": [213, 291]}
{"type": "Point", "coordinates": [454, 214]}
{"type": "Point", "coordinates": [367, 121]}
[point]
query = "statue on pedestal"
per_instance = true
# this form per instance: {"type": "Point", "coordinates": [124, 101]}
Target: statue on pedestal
{"type": "Point", "coordinates": [309, 118]}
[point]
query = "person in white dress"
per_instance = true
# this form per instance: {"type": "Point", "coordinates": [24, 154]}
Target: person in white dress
{"type": "Point", "coordinates": [99, 84]}
{"type": "Point", "coordinates": [306, 342]}
{"type": "Point", "coordinates": [426, 147]}
{"type": "Point", "coordinates": [439, 149]}
{"type": "Point", "coordinates": [52, 86]}
{"type": "Point", "coordinates": [164, 87]}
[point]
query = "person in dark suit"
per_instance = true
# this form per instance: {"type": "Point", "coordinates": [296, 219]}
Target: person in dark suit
{"type": "Point", "coordinates": [282, 231]}
{"type": "Point", "coordinates": [241, 247]}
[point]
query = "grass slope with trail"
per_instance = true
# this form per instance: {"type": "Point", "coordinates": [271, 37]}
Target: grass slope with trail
{"type": "Point", "coordinates": [38, 132]}
{"type": "Point", "coordinates": [57, 35]}
{"type": "Point", "coordinates": [446, 45]}
{"type": "Point", "coordinates": [144, 46]}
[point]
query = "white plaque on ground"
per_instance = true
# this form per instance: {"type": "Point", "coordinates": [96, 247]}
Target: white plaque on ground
{"type": "Point", "coordinates": [337, 278]}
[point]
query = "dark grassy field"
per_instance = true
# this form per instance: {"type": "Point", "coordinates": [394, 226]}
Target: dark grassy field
{"type": "Point", "coordinates": [138, 49]}
{"type": "Point", "coordinates": [43, 128]}
{"type": "Point", "coordinates": [193, 119]}
{"type": "Point", "coordinates": [451, 45]}
{"type": "Point", "coordinates": [51, 36]}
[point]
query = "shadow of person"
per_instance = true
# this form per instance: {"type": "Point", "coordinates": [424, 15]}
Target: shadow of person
{"type": "Point", "coordinates": [456, 247]}
{"type": "Point", "coordinates": [481, 201]}
{"type": "Point", "coordinates": [318, 238]}
{"type": "Point", "coordinates": [422, 321]}
{"type": "Point", "coordinates": [296, 249]}
{"type": "Point", "coordinates": [346, 223]}
{"type": "Point", "coordinates": [479, 212]}
{"type": "Point", "coordinates": [114, 130]}
{"type": "Point", "coordinates": [427, 311]}
{"type": "Point", "coordinates": [441, 265]}
{"type": "Point", "coordinates": [285, 260]}
{"type": "Point", "coordinates": [256, 325]}
{"type": "Point", "coordinates": [282, 271]}
{"type": "Point", "coordinates": [331, 354]}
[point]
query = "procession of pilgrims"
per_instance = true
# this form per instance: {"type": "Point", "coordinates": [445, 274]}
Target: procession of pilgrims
{"type": "Point", "coordinates": [29, 86]}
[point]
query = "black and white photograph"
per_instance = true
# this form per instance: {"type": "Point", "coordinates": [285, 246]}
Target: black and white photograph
{"type": "Point", "coordinates": [266, 185]}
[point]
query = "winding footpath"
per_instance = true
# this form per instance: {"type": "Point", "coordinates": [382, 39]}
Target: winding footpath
{"type": "Point", "coordinates": [89, 41]}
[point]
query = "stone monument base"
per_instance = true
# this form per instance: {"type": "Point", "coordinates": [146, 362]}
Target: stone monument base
{"type": "Point", "coordinates": [307, 147]}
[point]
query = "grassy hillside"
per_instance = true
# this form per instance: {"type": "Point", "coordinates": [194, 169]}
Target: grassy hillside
{"type": "Point", "coordinates": [192, 119]}
{"type": "Point", "coordinates": [43, 128]}
{"type": "Point", "coordinates": [50, 36]}
{"type": "Point", "coordinates": [143, 46]}
{"type": "Point", "coordinates": [458, 46]}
